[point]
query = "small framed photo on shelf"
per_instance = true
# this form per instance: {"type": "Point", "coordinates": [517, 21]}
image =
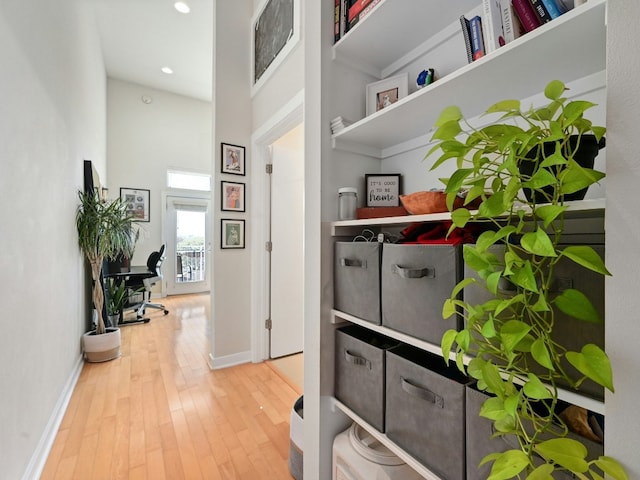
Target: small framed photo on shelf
{"type": "Point", "coordinates": [383, 190]}
{"type": "Point", "coordinates": [231, 233]}
{"type": "Point", "coordinates": [137, 201]}
{"type": "Point", "coordinates": [386, 92]}
{"type": "Point", "coordinates": [232, 159]}
{"type": "Point", "coordinates": [232, 194]}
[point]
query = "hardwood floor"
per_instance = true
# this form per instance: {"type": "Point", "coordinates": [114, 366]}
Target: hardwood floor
{"type": "Point", "coordinates": [159, 412]}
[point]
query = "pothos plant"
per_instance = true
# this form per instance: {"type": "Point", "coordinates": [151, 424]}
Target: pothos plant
{"type": "Point", "coordinates": [503, 336]}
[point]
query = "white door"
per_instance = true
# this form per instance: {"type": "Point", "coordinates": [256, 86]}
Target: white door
{"type": "Point", "coordinates": [186, 268]}
{"type": "Point", "coordinates": [287, 212]}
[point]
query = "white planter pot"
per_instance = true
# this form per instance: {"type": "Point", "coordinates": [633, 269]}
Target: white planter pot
{"type": "Point", "coordinates": [101, 348]}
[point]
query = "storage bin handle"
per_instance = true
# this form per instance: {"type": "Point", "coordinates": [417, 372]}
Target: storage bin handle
{"type": "Point", "coordinates": [421, 393]}
{"type": "Point", "coordinates": [427, 272]}
{"type": "Point", "coordinates": [356, 359]}
{"type": "Point", "coordinates": [348, 262]}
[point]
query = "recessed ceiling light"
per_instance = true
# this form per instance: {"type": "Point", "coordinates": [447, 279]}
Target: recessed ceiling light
{"type": "Point", "coordinates": [166, 70]}
{"type": "Point", "coordinates": [182, 7]}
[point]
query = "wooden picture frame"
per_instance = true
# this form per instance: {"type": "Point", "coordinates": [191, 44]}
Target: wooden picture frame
{"type": "Point", "coordinates": [138, 204]}
{"type": "Point", "coordinates": [386, 92]}
{"type": "Point", "coordinates": [232, 159]}
{"type": "Point", "coordinates": [231, 233]}
{"type": "Point", "coordinates": [383, 189]}
{"type": "Point", "coordinates": [232, 196]}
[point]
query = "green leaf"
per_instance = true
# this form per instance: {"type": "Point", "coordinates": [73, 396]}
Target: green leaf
{"type": "Point", "coordinates": [540, 354]}
{"type": "Point", "coordinates": [575, 177]}
{"type": "Point", "coordinates": [511, 404]}
{"type": "Point", "coordinates": [493, 280]}
{"type": "Point", "coordinates": [566, 452]}
{"type": "Point", "coordinates": [611, 467]}
{"type": "Point", "coordinates": [504, 106]}
{"type": "Point", "coordinates": [461, 285]}
{"type": "Point", "coordinates": [463, 339]}
{"type": "Point", "coordinates": [460, 217]}
{"type": "Point", "coordinates": [491, 376]}
{"type": "Point", "coordinates": [575, 109]}
{"type": "Point", "coordinates": [523, 277]}
{"type": "Point", "coordinates": [492, 206]}
{"type": "Point", "coordinates": [447, 131]}
{"type": "Point", "coordinates": [543, 472]}
{"type": "Point", "coordinates": [508, 465]}
{"type": "Point", "coordinates": [548, 213]}
{"type": "Point", "coordinates": [535, 389]}
{"type": "Point", "coordinates": [493, 409]}
{"type": "Point", "coordinates": [449, 308]}
{"type": "Point", "coordinates": [456, 181]}
{"type": "Point", "coordinates": [587, 257]}
{"type": "Point", "coordinates": [474, 259]}
{"type": "Point", "coordinates": [538, 243]}
{"type": "Point", "coordinates": [540, 179]}
{"type": "Point", "coordinates": [446, 343]}
{"type": "Point", "coordinates": [594, 364]}
{"type": "Point", "coordinates": [554, 90]}
{"type": "Point", "coordinates": [576, 304]}
{"type": "Point", "coordinates": [474, 369]}
{"type": "Point", "coordinates": [512, 332]}
{"type": "Point", "coordinates": [449, 114]}
{"type": "Point", "coordinates": [488, 329]}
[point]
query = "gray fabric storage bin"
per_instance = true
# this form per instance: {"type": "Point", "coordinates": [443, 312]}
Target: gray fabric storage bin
{"type": "Point", "coordinates": [425, 413]}
{"type": "Point", "coordinates": [356, 279]}
{"type": "Point", "coordinates": [480, 443]}
{"type": "Point", "coordinates": [360, 372]}
{"type": "Point", "coordinates": [416, 281]}
{"type": "Point", "coordinates": [568, 331]}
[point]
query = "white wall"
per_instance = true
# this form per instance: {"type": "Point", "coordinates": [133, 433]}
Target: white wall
{"type": "Point", "coordinates": [622, 225]}
{"type": "Point", "coordinates": [145, 139]}
{"type": "Point", "coordinates": [52, 92]}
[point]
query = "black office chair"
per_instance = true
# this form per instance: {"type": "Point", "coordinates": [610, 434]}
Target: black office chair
{"type": "Point", "coordinates": [140, 278]}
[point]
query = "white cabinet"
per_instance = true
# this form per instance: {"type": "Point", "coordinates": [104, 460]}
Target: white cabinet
{"type": "Point", "coordinates": [399, 36]}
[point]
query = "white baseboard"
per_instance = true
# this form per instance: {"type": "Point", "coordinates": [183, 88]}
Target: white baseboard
{"type": "Point", "coordinates": [41, 453]}
{"type": "Point", "coordinates": [216, 363]}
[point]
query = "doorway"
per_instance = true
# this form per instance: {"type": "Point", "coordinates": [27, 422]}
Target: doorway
{"type": "Point", "coordinates": [286, 335]}
{"type": "Point", "coordinates": [188, 249]}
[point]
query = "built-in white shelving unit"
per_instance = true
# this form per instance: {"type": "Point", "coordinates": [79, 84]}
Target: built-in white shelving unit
{"type": "Point", "coordinates": [396, 34]}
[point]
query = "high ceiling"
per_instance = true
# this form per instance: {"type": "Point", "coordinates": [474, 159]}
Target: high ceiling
{"type": "Point", "coordinates": [139, 37]}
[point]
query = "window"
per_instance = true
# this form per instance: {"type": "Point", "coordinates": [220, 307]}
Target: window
{"type": "Point", "coordinates": [189, 180]}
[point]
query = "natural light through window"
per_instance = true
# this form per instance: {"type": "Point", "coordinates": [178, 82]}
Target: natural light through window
{"type": "Point", "coordinates": [189, 180]}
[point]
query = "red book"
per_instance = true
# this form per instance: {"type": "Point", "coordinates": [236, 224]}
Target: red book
{"type": "Point", "coordinates": [356, 8]}
{"type": "Point", "coordinates": [525, 13]}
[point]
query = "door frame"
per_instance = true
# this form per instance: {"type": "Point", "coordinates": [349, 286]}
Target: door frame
{"type": "Point", "coordinates": [284, 120]}
{"type": "Point", "coordinates": [196, 195]}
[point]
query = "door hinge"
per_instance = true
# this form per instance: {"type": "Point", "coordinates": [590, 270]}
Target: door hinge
{"type": "Point", "coordinates": [269, 168]}
{"type": "Point", "coordinates": [268, 246]}
{"type": "Point", "coordinates": [268, 323]}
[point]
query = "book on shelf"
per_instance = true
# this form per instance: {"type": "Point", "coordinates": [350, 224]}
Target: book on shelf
{"type": "Point", "coordinates": [356, 8]}
{"type": "Point", "coordinates": [526, 15]}
{"type": "Point", "coordinates": [511, 26]}
{"type": "Point", "coordinates": [492, 25]}
{"type": "Point", "coordinates": [540, 11]}
{"type": "Point", "coordinates": [477, 39]}
{"type": "Point", "coordinates": [336, 21]}
{"type": "Point", "coordinates": [466, 35]}
{"type": "Point", "coordinates": [554, 8]}
{"type": "Point", "coordinates": [339, 123]}
{"type": "Point", "coordinates": [363, 13]}
{"type": "Point", "coordinates": [341, 18]}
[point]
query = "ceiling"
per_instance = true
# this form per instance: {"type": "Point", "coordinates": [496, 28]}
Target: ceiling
{"type": "Point", "coordinates": [139, 37]}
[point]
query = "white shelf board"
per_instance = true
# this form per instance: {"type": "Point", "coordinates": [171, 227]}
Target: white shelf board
{"type": "Point", "coordinates": [577, 209]}
{"type": "Point", "coordinates": [377, 42]}
{"type": "Point", "coordinates": [557, 50]}
{"type": "Point", "coordinates": [383, 439]}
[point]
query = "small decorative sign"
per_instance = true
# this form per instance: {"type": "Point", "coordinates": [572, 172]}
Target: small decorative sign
{"type": "Point", "coordinates": [383, 190]}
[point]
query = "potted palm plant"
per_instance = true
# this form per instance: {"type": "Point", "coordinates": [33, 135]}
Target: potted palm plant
{"type": "Point", "coordinates": [104, 230]}
{"type": "Point", "coordinates": [523, 168]}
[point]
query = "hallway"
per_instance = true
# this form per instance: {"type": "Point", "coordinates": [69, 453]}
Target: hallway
{"type": "Point", "coordinates": [159, 412]}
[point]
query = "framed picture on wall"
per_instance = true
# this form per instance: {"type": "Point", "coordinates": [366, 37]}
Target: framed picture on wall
{"type": "Point", "coordinates": [231, 233]}
{"type": "Point", "coordinates": [232, 159]}
{"type": "Point", "coordinates": [232, 194]}
{"type": "Point", "coordinates": [386, 92]}
{"type": "Point", "coordinates": [137, 201]}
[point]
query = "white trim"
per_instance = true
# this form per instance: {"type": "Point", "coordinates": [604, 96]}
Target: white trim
{"type": "Point", "coordinates": [40, 455]}
{"type": "Point", "coordinates": [216, 363]}
{"type": "Point", "coordinates": [282, 55]}
{"type": "Point", "coordinates": [285, 119]}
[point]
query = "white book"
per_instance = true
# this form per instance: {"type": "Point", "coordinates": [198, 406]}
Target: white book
{"type": "Point", "coordinates": [511, 27]}
{"type": "Point", "coordinates": [492, 25]}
